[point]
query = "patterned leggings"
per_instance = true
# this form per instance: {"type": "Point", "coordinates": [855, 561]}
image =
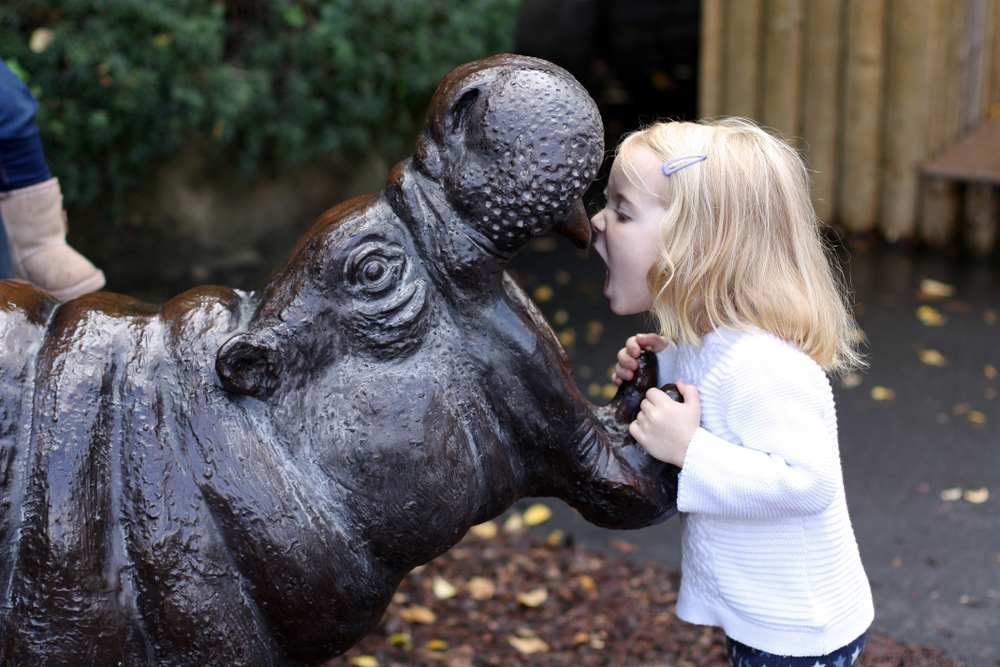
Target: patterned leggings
{"type": "Point", "coordinates": [741, 655]}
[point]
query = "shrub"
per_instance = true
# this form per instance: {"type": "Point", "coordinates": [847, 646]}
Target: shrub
{"type": "Point", "coordinates": [124, 83]}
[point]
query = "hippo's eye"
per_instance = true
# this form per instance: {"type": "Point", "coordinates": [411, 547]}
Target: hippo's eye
{"type": "Point", "coordinates": [375, 267]}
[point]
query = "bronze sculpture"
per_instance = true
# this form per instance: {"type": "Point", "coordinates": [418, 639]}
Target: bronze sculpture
{"type": "Point", "coordinates": [244, 479]}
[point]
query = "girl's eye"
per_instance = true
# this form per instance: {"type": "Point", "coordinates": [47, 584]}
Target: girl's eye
{"type": "Point", "coordinates": [621, 216]}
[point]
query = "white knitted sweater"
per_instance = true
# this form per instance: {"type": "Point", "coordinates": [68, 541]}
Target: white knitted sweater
{"type": "Point", "coordinates": [768, 552]}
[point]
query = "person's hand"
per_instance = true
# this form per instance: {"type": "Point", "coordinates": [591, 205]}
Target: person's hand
{"type": "Point", "coordinates": [627, 364]}
{"type": "Point", "coordinates": [664, 427]}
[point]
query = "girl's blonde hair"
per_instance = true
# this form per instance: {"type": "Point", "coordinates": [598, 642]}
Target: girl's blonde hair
{"type": "Point", "coordinates": [740, 242]}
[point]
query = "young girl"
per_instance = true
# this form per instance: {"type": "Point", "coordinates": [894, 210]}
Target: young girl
{"type": "Point", "coordinates": [710, 227]}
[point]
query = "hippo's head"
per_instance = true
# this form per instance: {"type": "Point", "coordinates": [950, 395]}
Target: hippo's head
{"type": "Point", "coordinates": [399, 366]}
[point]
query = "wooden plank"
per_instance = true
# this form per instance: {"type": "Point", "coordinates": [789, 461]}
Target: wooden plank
{"type": "Point", "coordinates": [975, 158]}
{"type": "Point", "coordinates": [975, 77]}
{"type": "Point", "coordinates": [940, 202]}
{"type": "Point", "coordinates": [858, 199]}
{"type": "Point", "coordinates": [782, 90]}
{"type": "Point", "coordinates": [822, 100]}
{"type": "Point", "coordinates": [905, 118]}
{"type": "Point", "coordinates": [993, 103]}
{"type": "Point", "coordinates": [982, 217]}
{"type": "Point", "coordinates": [710, 66]}
{"type": "Point", "coordinates": [742, 65]}
{"type": "Point", "coordinates": [937, 76]}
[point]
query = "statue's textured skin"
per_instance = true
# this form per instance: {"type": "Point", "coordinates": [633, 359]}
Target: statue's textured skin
{"type": "Point", "coordinates": [244, 479]}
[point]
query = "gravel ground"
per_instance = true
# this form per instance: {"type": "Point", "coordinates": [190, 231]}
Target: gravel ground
{"type": "Point", "coordinates": [505, 597]}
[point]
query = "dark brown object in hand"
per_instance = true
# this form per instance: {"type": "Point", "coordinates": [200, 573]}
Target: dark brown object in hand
{"type": "Point", "coordinates": [244, 479]}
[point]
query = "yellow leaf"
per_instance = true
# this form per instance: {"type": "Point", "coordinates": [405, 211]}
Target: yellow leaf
{"type": "Point", "coordinates": [597, 643]}
{"type": "Point", "coordinates": [560, 317]}
{"type": "Point", "coordinates": [481, 588]}
{"type": "Point", "coordinates": [537, 514]}
{"type": "Point", "coordinates": [485, 531]}
{"type": "Point", "coordinates": [850, 381]}
{"type": "Point", "coordinates": [363, 661]}
{"type": "Point", "coordinates": [528, 645]}
{"type": "Point", "coordinates": [990, 371]}
{"type": "Point", "coordinates": [437, 645]}
{"type": "Point", "coordinates": [580, 638]}
{"type": "Point", "coordinates": [931, 317]}
{"type": "Point", "coordinates": [543, 293]}
{"type": "Point", "coordinates": [514, 523]}
{"type": "Point", "coordinates": [936, 290]}
{"type": "Point", "coordinates": [977, 497]}
{"type": "Point", "coordinates": [594, 330]}
{"type": "Point", "coordinates": [951, 494]}
{"type": "Point", "coordinates": [594, 389]}
{"type": "Point", "coordinates": [163, 39]}
{"type": "Point", "coordinates": [977, 417]}
{"type": "Point", "coordinates": [567, 338]}
{"type": "Point", "coordinates": [40, 39]}
{"type": "Point", "coordinates": [533, 598]}
{"type": "Point", "coordinates": [587, 583]}
{"type": "Point", "coordinates": [555, 538]}
{"type": "Point", "coordinates": [418, 614]}
{"type": "Point", "coordinates": [401, 639]}
{"type": "Point", "coordinates": [933, 358]}
{"type": "Point", "coordinates": [443, 590]}
{"type": "Point", "coordinates": [882, 394]}
{"type": "Point", "coordinates": [609, 390]}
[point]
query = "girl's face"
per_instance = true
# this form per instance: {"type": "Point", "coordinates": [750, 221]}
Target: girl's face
{"type": "Point", "coordinates": [626, 233]}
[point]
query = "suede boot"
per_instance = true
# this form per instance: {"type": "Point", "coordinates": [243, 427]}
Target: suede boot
{"type": "Point", "coordinates": [36, 233]}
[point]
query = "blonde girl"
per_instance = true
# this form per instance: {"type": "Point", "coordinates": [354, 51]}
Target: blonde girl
{"type": "Point", "coordinates": [709, 226]}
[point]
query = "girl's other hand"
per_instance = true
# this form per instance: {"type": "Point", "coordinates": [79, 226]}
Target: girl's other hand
{"type": "Point", "coordinates": [627, 364]}
{"type": "Point", "coordinates": [664, 427]}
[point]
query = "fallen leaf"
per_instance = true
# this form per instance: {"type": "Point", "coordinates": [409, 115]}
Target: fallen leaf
{"type": "Point", "coordinates": [951, 494]}
{"type": "Point", "coordinates": [543, 293]}
{"type": "Point", "coordinates": [560, 317]}
{"type": "Point", "coordinates": [991, 316]}
{"type": "Point", "coordinates": [580, 638]}
{"type": "Point", "coordinates": [597, 643]}
{"type": "Point", "coordinates": [609, 390]}
{"type": "Point", "coordinates": [363, 661]}
{"type": "Point", "coordinates": [594, 331]}
{"type": "Point", "coordinates": [40, 39]}
{"type": "Point", "coordinates": [555, 538]}
{"type": "Point", "coordinates": [437, 645]}
{"type": "Point", "coordinates": [933, 289]}
{"type": "Point", "coordinates": [481, 588]}
{"type": "Point", "coordinates": [401, 639]}
{"type": "Point", "coordinates": [528, 645]}
{"type": "Point", "coordinates": [933, 358]}
{"type": "Point", "coordinates": [850, 381]}
{"type": "Point", "coordinates": [587, 582]}
{"type": "Point", "coordinates": [543, 244]}
{"type": "Point", "coordinates": [443, 589]}
{"type": "Point", "coordinates": [882, 394]}
{"type": "Point", "coordinates": [960, 409]}
{"type": "Point", "coordinates": [533, 598]}
{"type": "Point", "coordinates": [623, 547]}
{"type": "Point", "coordinates": [897, 563]}
{"type": "Point", "coordinates": [418, 614]}
{"type": "Point", "coordinates": [931, 317]}
{"type": "Point", "coordinates": [537, 514]}
{"type": "Point", "coordinates": [514, 523]}
{"type": "Point", "coordinates": [485, 531]}
{"type": "Point", "coordinates": [977, 417]}
{"type": "Point", "coordinates": [594, 389]}
{"type": "Point", "coordinates": [567, 337]}
{"type": "Point", "coordinates": [990, 371]}
{"type": "Point", "coordinates": [977, 497]}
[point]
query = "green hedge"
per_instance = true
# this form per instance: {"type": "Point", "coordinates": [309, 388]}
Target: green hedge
{"type": "Point", "coordinates": [124, 83]}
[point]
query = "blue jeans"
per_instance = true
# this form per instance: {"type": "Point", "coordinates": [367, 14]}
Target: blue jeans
{"type": "Point", "coordinates": [741, 655]}
{"type": "Point", "coordinates": [22, 160]}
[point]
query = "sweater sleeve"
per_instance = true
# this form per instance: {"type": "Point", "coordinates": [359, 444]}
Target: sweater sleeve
{"type": "Point", "coordinates": [776, 451]}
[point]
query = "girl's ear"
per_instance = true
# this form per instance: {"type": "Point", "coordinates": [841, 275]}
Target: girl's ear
{"type": "Point", "coordinates": [250, 364]}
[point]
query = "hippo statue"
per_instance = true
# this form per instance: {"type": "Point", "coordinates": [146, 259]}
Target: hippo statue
{"type": "Point", "coordinates": [241, 478]}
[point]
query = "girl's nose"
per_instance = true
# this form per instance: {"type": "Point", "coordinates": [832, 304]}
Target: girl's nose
{"type": "Point", "coordinates": [597, 222]}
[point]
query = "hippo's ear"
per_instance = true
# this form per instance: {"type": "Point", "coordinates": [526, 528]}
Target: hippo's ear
{"type": "Point", "coordinates": [458, 114]}
{"type": "Point", "coordinates": [249, 364]}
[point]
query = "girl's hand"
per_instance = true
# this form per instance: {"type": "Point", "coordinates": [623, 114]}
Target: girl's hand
{"type": "Point", "coordinates": [627, 364]}
{"type": "Point", "coordinates": [665, 427]}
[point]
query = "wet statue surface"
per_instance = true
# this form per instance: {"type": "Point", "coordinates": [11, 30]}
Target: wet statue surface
{"type": "Point", "coordinates": [244, 479]}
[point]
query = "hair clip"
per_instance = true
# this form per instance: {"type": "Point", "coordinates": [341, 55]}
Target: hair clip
{"type": "Point", "coordinates": [669, 169]}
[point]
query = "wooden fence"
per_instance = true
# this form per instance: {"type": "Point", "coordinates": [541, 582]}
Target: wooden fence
{"type": "Point", "coordinates": [874, 91]}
